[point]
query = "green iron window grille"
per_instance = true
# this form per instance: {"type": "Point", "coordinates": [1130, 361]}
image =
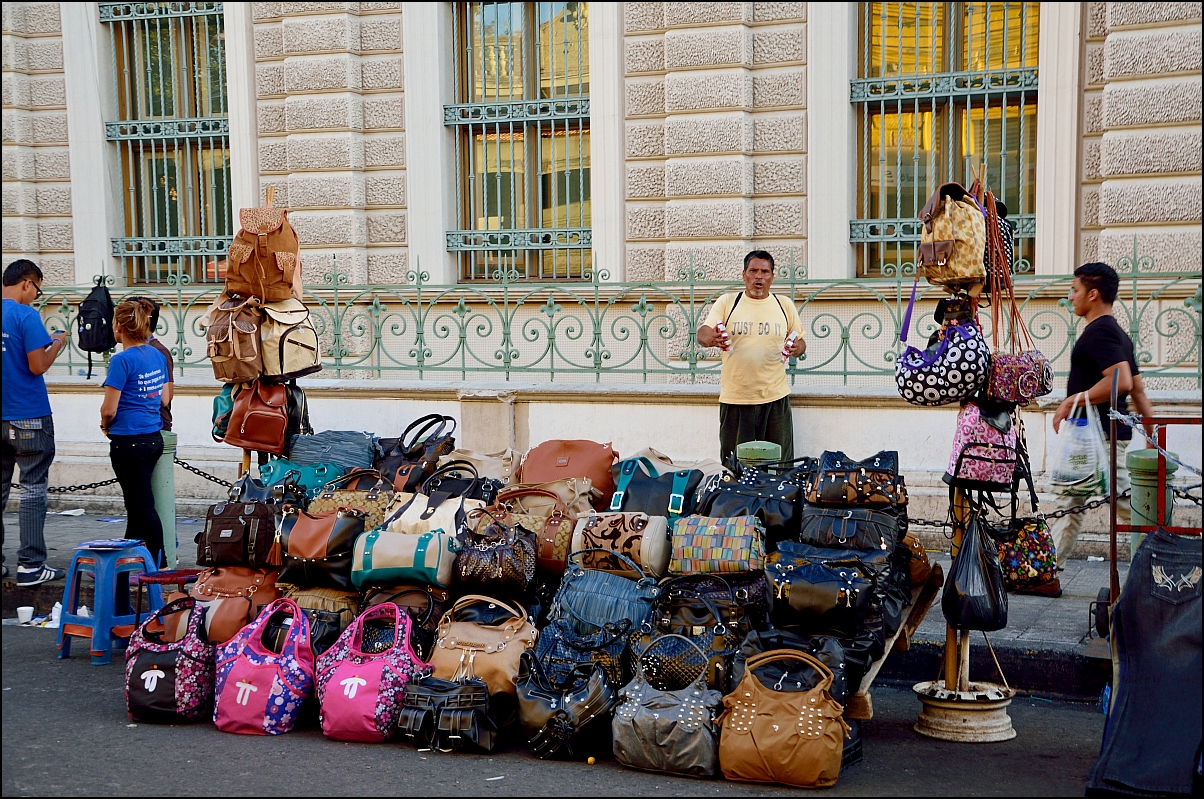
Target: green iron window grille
{"type": "Point", "coordinates": [942, 88]}
{"type": "Point", "coordinates": [521, 119]}
{"type": "Point", "coordinates": [172, 134]}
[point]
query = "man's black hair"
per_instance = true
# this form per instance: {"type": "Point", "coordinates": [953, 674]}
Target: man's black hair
{"type": "Point", "coordinates": [759, 255]}
{"type": "Point", "coordinates": [1102, 278]}
{"type": "Point", "coordinates": [21, 269]}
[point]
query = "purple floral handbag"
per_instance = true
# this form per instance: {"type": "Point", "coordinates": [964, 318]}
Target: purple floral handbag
{"type": "Point", "coordinates": [361, 687]}
{"type": "Point", "coordinates": [260, 692]}
{"type": "Point", "coordinates": [169, 682]}
{"type": "Point", "coordinates": [1029, 560]}
{"type": "Point", "coordinates": [983, 456]}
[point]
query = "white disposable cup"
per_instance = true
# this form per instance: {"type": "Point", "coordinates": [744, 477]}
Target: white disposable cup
{"type": "Point", "coordinates": [25, 614]}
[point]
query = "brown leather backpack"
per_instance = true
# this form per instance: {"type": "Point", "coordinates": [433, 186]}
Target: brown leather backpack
{"type": "Point", "coordinates": [233, 339]}
{"type": "Point", "coordinates": [265, 256]}
{"type": "Point", "coordinates": [259, 420]}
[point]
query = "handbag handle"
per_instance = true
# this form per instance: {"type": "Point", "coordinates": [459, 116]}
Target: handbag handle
{"type": "Point", "coordinates": [471, 599]}
{"type": "Point", "coordinates": [719, 627]}
{"type": "Point", "coordinates": [445, 469]}
{"type": "Point", "coordinates": [401, 626]}
{"type": "Point", "coordinates": [634, 567]}
{"type": "Point", "coordinates": [354, 474]}
{"type": "Point", "coordinates": [774, 655]}
{"type": "Point", "coordinates": [298, 631]}
{"type": "Point", "coordinates": [196, 617]}
{"type": "Point", "coordinates": [667, 585]}
{"type": "Point", "coordinates": [706, 660]}
{"type": "Point", "coordinates": [903, 328]}
{"type": "Point", "coordinates": [421, 426]}
{"type": "Point", "coordinates": [430, 601]}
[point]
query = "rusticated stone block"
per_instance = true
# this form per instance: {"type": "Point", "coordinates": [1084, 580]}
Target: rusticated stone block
{"type": "Point", "coordinates": [1097, 20]}
{"type": "Point", "coordinates": [330, 227]}
{"type": "Point", "coordinates": [18, 163]}
{"type": "Point", "coordinates": [16, 90]}
{"type": "Point", "coordinates": [280, 183]}
{"type": "Point", "coordinates": [318, 74]}
{"type": "Point", "coordinates": [382, 73]}
{"type": "Point", "coordinates": [50, 128]}
{"type": "Point", "coordinates": [380, 34]}
{"type": "Point", "coordinates": [386, 189]}
{"type": "Point", "coordinates": [1089, 246]}
{"type": "Point", "coordinates": [1164, 100]}
{"type": "Point", "coordinates": [332, 151]}
{"type": "Point", "coordinates": [777, 89]}
{"type": "Point", "coordinates": [14, 54]}
{"type": "Point", "coordinates": [1151, 202]}
{"type": "Point", "coordinates": [677, 14]}
{"type": "Point", "coordinates": [644, 54]}
{"type": "Point", "coordinates": [47, 90]}
{"type": "Point", "coordinates": [780, 175]}
{"type": "Point", "coordinates": [786, 254]}
{"type": "Point", "coordinates": [20, 199]}
{"type": "Point", "coordinates": [780, 218]}
{"type": "Point", "coordinates": [53, 199]}
{"type": "Point", "coordinates": [720, 133]}
{"type": "Point", "coordinates": [346, 260]}
{"type": "Point", "coordinates": [779, 134]}
{"type": "Point", "coordinates": [296, 9]}
{"type": "Point", "coordinates": [699, 178]}
{"type": "Point", "coordinates": [1151, 152]}
{"type": "Point", "coordinates": [1090, 200]}
{"type": "Point", "coordinates": [775, 45]}
{"type": "Point", "coordinates": [1122, 14]}
{"type": "Point", "coordinates": [645, 139]}
{"type": "Point", "coordinates": [708, 48]}
{"type": "Point", "coordinates": [316, 191]}
{"type": "Point", "coordinates": [1151, 52]}
{"type": "Point", "coordinates": [645, 180]}
{"type": "Point", "coordinates": [44, 54]}
{"type": "Point", "coordinates": [318, 34]}
{"type": "Point", "coordinates": [269, 80]}
{"type": "Point", "coordinates": [645, 221]}
{"type": "Point", "coordinates": [388, 267]}
{"type": "Point", "coordinates": [55, 234]}
{"type": "Point", "coordinates": [42, 18]}
{"type": "Point", "coordinates": [713, 219]}
{"type": "Point", "coordinates": [384, 151]}
{"type": "Point", "coordinates": [270, 117]}
{"type": "Point", "coordinates": [717, 261]}
{"type": "Point", "coordinates": [368, 8]}
{"type": "Point", "coordinates": [1091, 159]}
{"type": "Point", "coordinates": [773, 12]}
{"type": "Point", "coordinates": [643, 17]}
{"type": "Point", "coordinates": [1093, 112]}
{"type": "Point", "coordinates": [645, 97]}
{"type": "Point", "coordinates": [266, 10]}
{"type": "Point", "coordinates": [269, 42]}
{"type": "Point", "coordinates": [18, 127]}
{"type": "Point", "coordinates": [645, 264]}
{"type": "Point", "coordinates": [323, 112]}
{"type": "Point", "coordinates": [57, 270]}
{"type": "Point", "coordinates": [386, 227]}
{"type": "Point", "coordinates": [1096, 63]}
{"type": "Point", "coordinates": [50, 164]}
{"type": "Point", "coordinates": [693, 92]}
{"type": "Point", "coordinates": [384, 112]}
{"type": "Point", "coordinates": [1174, 250]}
{"type": "Point", "coordinates": [20, 234]}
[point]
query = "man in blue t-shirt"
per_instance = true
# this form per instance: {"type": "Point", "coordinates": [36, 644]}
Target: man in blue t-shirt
{"type": "Point", "coordinates": [28, 429]}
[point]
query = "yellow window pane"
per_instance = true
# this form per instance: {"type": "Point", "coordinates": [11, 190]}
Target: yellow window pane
{"type": "Point", "coordinates": [1008, 138]}
{"type": "Point", "coordinates": [999, 36]}
{"type": "Point", "coordinates": [903, 164]}
{"type": "Point", "coordinates": [498, 181]}
{"type": "Point", "coordinates": [904, 39]}
{"type": "Point", "coordinates": [495, 53]}
{"type": "Point", "coordinates": [563, 49]}
{"type": "Point", "coordinates": [564, 177]}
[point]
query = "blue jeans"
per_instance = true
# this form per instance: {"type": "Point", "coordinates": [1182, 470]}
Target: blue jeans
{"type": "Point", "coordinates": [28, 443]}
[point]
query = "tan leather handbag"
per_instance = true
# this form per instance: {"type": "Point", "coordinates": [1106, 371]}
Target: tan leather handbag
{"type": "Point", "coordinates": [918, 566]}
{"type": "Point", "coordinates": [232, 597]}
{"type": "Point", "coordinates": [666, 465]}
{"type": "Point", "coordinates": [416, 514]}
{"type": "Point", "coordinates": [365, 489]}
{"type": "Point", "coordinates": [496, 465]}
{"type": "Point", "coordinates": [466, 649]}
{"type": "Point", "coordinates": [559, 458]}
{"type": "Point", "coordinates": [791, 737]}
{"type": "Point", "coordinates": [643, 538]}
{"type": "Point", "coordinates": [953, 239]}
{"type": "Point", "coordinates": [543, 511]}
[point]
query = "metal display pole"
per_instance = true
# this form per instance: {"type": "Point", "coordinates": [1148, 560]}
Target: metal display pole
{"type": "Point", "coordinates": [163, 486]}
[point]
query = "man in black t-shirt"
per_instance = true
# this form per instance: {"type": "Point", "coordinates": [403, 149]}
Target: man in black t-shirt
{"type": "Point", "coordinates": [1102, 348]}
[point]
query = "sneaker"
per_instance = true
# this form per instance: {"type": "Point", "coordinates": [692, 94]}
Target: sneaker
{"type": "Point", "coordinates": [36, 575]}
{"type": "Point", "coordinates": [6, 571]}
{"type": "Point", "coordinates": [1052, 590]}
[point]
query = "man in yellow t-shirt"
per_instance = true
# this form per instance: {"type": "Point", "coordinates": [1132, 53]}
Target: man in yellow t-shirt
{"type": "Point", "coordinates": [753, 328]}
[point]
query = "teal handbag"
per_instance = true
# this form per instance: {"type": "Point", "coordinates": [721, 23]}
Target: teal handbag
{"type": "Point", "coordinates": [223, 404]}
{"type": "Point", "coordinates": [311, 478]}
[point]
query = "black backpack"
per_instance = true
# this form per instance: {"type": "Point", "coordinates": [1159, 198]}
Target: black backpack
{"type": "Point", "coordinates": [94, 325]}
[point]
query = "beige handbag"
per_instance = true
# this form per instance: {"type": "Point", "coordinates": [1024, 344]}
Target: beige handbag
{"type": "Point", "coordinates": [289, 341]}
{"type": "Point", "coordinates": [384, 558]}
{"type": "Point", "coordinates": [666, 465]}
{"type": "Point", "coordinates": [953, 239]}
{"type": "Point", "coordinates": [792, 737]}
{"type": "Point", "coordinates": [497, 465]}
{"type": "Point", "coordinates": [365, 489]}
{"type": "Point", "coordinates": [467, 649]}
{"type": "Point", "coordinates": [415, 514]}
{"type": "Point", "coordinates": [643, 538]}
{"type": "Point", "coordinates": [577, 494]}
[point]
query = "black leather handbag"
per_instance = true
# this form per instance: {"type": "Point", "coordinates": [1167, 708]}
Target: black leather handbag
{"type": "Point", "coordinates": [424, 603]}
{"type": "Point", "coordinates": [408, 460]}
{"type": "Point", "coordinates": [840, 480]}
{"type": "Point", "coordinates": [820, 596]}
{"type": "Point", "coordinates": [283, 492]}
{"type": "Point", "coordinates": [643, 491]}
{"type": "Point", "coordinates": [877, 565]}
{"type": "Point", "coordinates": [446, 715]}
{"type": "Point", "coordinates": [237, 534]}
{"type": "Point", "coordinates": [696, 618]}
{"type": "Point", "coordinates": [773, 500]}
{"type": "Point", "coordinates": [742, 599]}
{"type": "Point", "coordinates": [571, 722]}
{"type": "Point", "coordinates": [561, 652]}
{"type": "Point", "coordinates": [849, 528]}
{"type": "Point", "coordinates": [317, 549]}
{"type": "Point", "coordinates": [794, 676]}
{"type": "Point", "coordinates": [460, 479]}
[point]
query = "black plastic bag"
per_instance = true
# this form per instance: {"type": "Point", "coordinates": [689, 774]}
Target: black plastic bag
{"type": "Point", "coordinates": [975, 597]}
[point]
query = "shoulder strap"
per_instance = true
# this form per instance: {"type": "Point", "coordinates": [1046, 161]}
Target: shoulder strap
{"type": "Point", "coordinates": [733, 308]}
{"type": "Point", "coordinates": [783, 307]}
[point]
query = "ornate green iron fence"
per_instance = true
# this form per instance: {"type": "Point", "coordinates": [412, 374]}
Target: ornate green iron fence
{"type": "Point", "coordinates": [601, 331]}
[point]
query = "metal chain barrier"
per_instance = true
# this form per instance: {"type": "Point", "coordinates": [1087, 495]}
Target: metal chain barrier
{"type": "Point", "coordinates": [1182, 493]}
{"type": "Point", "coordinates": [210, 477]}
{"type": "Point", "coordinates": [1056, 514]}
{"type": "Point", "coordinates": [187, 466]}
{"type": "Point", "coordinates": [69, 489]}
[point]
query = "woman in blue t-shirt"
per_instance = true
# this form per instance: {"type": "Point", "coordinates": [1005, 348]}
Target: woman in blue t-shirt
{"type": "Point", "coordinates": [134, 392]}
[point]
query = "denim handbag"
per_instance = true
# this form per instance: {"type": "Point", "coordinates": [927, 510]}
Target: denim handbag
{"type": "Point", "coordinates": [311, 477]}
{"type": "Point", "coordinates": [588, 600]}
{"type": "Point", "coordinates": [350, 449]}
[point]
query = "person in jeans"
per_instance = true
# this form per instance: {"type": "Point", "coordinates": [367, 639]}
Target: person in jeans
{"type": "Point", "coordinates": [130, 417]}
{"type": "Point", "coordinates": [752, 328]}
{"type": "Point", "coordinates": [1102, 348]}
{"type": "Point", "coordinates": [28, 428]}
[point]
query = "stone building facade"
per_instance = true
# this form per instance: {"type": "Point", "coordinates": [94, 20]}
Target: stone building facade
{"type": "Point", "coordinates": [716, 127]}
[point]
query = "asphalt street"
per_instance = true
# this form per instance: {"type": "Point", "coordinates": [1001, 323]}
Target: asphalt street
{"type": "Point", "coordinates": [66, 733]}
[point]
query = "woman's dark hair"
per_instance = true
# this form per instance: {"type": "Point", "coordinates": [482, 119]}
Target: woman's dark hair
{"type": "Point", "coordinates": [760, 255]}
{"type": "Point", "coordinates": [1102, 278]}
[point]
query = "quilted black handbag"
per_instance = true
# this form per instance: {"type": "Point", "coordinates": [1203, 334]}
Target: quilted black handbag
{"type": "Point", "coordinates": [833, 597]}
{"type": "Point", "coordinates": [773, 500]}
{"type": "Point", "coordinates": [447, 715]}
{"type": "Point", "coordinates": [410, 459]}
{"type": "Point", "coordinates": [589, 600]}
{"type": "Point", "coordinates": [696, 618]}
{"type": "Point", "coordinates": [499, 561]}
{"type": "Point", "coordinates": [849, 528]}
{"type": "Point", "coordinates": [560, 651]}
{"type": "Point", "coordinates": [644, 491]}
{"type": "Point", "coordinates": [573, 721]}
{"type": "Point", "coordinates": [794, 676]}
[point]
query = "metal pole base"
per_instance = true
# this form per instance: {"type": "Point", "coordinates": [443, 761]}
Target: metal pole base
{"type": "Point", "coordinates": [975, 716]}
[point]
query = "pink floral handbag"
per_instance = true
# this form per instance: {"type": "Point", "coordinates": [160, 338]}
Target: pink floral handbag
{"type": "Point", "coordinates": [983, 456]}
{"type": "Point", "coordinates": [170, 682]}
{"type": "Point", "coordinates": [360, 691]}
{"type": "Point", "coordinates": [260, 692]}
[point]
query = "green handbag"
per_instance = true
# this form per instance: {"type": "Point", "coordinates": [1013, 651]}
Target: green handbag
{"type": "Point", "coordinates": [311, 478]}
{"type": "Point", "coordinates": [223, 404]}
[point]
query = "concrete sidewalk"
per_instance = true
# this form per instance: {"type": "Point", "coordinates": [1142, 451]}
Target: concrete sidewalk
{"type": "Point", "coordinates": [1041, 650]}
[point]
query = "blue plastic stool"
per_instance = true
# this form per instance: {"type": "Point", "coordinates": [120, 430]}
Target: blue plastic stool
{"type": "Point", "coordinates": [110, 562]}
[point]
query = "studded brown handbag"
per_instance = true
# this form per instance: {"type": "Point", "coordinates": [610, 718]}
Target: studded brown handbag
{"type": "Point", "coordinates": [791, 737]}
{"type": "Point", "coordinates": [466, 649]}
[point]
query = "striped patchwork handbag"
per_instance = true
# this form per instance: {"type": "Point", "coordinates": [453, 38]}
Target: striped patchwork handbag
{"type": "Point", "coordinates": [717, 545]}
